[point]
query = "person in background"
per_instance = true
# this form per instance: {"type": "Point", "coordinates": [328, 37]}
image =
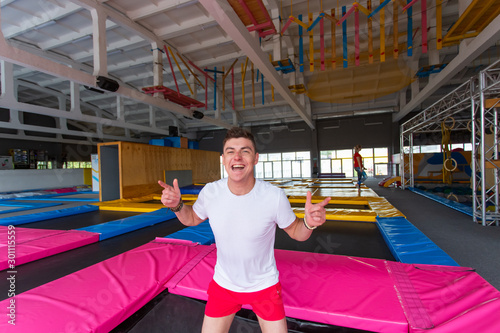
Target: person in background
{"type": "Point", "coordinates": [358, 165]}
{"type": "Point", "coordinates": [243, 213]}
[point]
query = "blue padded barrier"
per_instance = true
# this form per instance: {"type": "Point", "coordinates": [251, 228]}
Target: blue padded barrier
{"type": "Point", "coordinates": [35, 217]}
{"type": "Point", "coordinates": [61, 197]}
{"type": "Point", "coordinates": [17, 206]}
{"type": "Point", "coordinates": [132, 223]}
{"type": "Point", "coordinates": [191, 189]}
{"type": "Point", "coordinates": [201, 234]}
{"type": "Point", "coordinates": [409, 245]}
{"type": "Point", "coordinates": [449, 203]}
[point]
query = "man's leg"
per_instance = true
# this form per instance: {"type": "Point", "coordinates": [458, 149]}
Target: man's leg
{"type": "Point", "coordinates": [277, 326]}
{"type": "Point", "coordinates": [217, 325]}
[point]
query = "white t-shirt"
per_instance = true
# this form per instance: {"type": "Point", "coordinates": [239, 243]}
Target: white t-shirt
{"type": "Point", "coordinates": [244, 227]}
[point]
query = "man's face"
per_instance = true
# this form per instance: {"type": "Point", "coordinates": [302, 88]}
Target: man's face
{"type": "Point", "coordinates": [239, 158]}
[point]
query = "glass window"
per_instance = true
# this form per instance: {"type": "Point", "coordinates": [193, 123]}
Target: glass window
{"type": "Point", "coordinates": [381, 151]}
{"type": "Point", "coordinates": [277, 170]}
{"type": "Point", "coordinates": [306, 169]}
{"type": "Point", "coordinates": [327, 154]}
{"type": "Point", "coordinates": [468, 146]}
{"type": "Point", "coordinates": [336, 166]}
{"type": "Point", "coordinates": [381, 169]}
{"type": "Point", "coordinates": [262, 157]}
{"type": "Point", "coordinates": [366, 152]}
{"type": "Point", "coordinates": [296, 169]}
{"type": "Point", "coordinates": [347, 167]}
{"type": "Point", "coordinates": [345, 153]}
{"type": "Point", "coordinates": [268, 170]}
{"type": "Point", "coordinates": [274, 157]}
{"type": "Point", "coordinates": [381, 160]}
{"type": "Point", "coordinates": [430, 149]}
{"type": "Point", "coordinates": [325, 166]}
{"type": "Point", "coordinates": [303, 155]}
{"type": "Point", "coordinates": [288, 156]}
{"type": "Point", "coordinates": [259, 170]}
{"type": "Point", "coordinates": [287, 169]}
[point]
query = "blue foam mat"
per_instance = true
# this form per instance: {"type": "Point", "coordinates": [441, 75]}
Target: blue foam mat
{"type": "Point", "coordinates": [122, 226]}
{"type": "Point", "coordinates": [21, 206]}
{"type": "Point", "coordinates": [191, 189]}
{"type": "Point", "coordinates": [201, 234]}
{"type": "Point", "coordinates": [409, 245]}
{"type": "Point", "coordinates": [35, 217]}
{"type": "Point", "coordinates": [61, 197]}
{"type": "Point", "coordinates": [449, 203]}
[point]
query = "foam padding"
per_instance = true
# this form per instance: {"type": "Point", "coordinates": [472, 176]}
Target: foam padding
{"type": "Point", "coordinates": [191, 189]}
{"type": "Point", "coordinates": [76, 196]}
{"type": "Point", "coordinates": [99, 297]}
{"type": "Point", "coordinates": [383, 208]}
{"type": "Point", "coordinates": [410, 245]}
{"type": "Point", "coordinates": [35, 217]}
{"type": "Point", "coordinates": [200, 234]}
{"type": "Point", "coordinates": [449, 203]}
{"type": "Point", "coordinates": [369, 294]}
{"type": "Point", "coordinates": [122, 226]}
{"type": "Point", "coordinates": [19, 206]}
{"type": "Point", "coordinates": [361, 293]}
{"type": "Point", "coordinates": [34, 244]}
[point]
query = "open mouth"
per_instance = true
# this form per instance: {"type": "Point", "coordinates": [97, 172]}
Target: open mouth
{"type": "Point", "coordinates": [237, 167]}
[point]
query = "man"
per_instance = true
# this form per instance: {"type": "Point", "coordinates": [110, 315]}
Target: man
{"type": "Point", "coordinates": [243, 213]}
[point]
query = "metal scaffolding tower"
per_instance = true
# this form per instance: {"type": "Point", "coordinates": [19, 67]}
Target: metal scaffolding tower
{"type": "Point", "coordinates": [472, 106]}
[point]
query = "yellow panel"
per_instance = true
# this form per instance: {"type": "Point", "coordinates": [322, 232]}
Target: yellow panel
{"type": "Point", "coordinates": [87, 176]}
{"type": "Point", "coordinates": [383, 208]}
{"type": "Point", "coordinates": [343, 215]}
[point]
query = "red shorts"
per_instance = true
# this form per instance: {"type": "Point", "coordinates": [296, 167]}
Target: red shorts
{"type": "Point", "coordinates": [267, 303]}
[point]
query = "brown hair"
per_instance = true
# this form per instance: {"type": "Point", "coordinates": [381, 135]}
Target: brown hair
{"type": "Point", "coordinates": [238, 132]}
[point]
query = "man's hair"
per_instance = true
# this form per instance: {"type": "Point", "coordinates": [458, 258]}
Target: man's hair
{"type": "Point", "coordinates": [238, 132]}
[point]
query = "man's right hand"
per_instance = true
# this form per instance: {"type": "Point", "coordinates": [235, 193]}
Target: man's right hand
{"type": "Point", "coordinates": [171, 195]}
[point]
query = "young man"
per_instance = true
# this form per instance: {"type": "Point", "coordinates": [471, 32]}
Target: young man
{"type": "Point", "coordinates": [243, 213]}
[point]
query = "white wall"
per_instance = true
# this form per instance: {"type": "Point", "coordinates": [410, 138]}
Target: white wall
{"type": "Point", "coordinates": [27, 179]}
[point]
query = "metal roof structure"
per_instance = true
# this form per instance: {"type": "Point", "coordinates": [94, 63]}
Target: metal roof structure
{"type": "Point", "coordinates": [63, 59]}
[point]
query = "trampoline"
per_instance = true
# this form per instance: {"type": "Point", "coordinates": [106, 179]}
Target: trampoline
{"type": "Point", "coordinates": [361, 244]}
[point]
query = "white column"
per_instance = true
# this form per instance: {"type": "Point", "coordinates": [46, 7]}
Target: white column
{"type": "Point", "coordinates": [99, 39]}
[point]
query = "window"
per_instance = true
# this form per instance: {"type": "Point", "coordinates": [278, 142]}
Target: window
{"type": "Point", "coordinates": [281, 165]}
{"type": "Point", "coordinates": [375, 161]}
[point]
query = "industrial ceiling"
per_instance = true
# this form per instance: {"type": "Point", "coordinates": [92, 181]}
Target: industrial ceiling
{"type": "Point", "coordinates": [102, 70]}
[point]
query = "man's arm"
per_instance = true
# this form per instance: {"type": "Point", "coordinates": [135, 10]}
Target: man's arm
{"type": "Point", "coordinates": [171, 198]}
{"type": "Point", "coordinates": [314, 216]}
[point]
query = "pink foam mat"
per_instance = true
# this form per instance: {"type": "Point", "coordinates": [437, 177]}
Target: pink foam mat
{"type": "Point", "coordinates": [369, 294]}
{"type": "Point", "coordinates": [372, 294]}
{"type": "Point", "coordinates": [34, 244]}
{"type": "Point", "coordinates": [99, 297]}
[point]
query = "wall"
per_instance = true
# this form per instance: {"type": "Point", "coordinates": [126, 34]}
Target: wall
{"type": "Point", "coordinates": [21, 180]}
{"type": "Point", "coordinates": [74, 152]}
{"type": "Point", "coordinates": [140, 166]}
{"type": "Point", "coordinates": [331, 134]}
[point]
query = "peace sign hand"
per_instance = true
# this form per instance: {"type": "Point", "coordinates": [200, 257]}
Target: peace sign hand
{"type": "Point", "coordinates": [171, 195]}
{"type": "Point", "coordinates": [315, 214]}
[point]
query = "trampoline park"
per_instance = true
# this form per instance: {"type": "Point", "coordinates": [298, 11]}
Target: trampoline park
{"type": "Point", "coordinates": [113, 261]}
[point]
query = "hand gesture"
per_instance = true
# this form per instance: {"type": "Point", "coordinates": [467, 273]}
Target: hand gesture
{"type": "Point", "coordinates": [171, 195]}
{"type": "Point", "coordinates": [315, 214]}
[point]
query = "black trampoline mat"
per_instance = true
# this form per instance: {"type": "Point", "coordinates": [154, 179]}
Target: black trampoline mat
{"type": "Point", "coordinates": [79, 220]}
{"type": "Point", "coordinates": [169, 313]}
{"type": "Point", "coordinates": [358, 239]}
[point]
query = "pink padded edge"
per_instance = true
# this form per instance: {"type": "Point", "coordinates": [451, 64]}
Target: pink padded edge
{"type": "Point", "coordinates": [364, 294]}
{"type": "Point", "coordinates": [337, 290]}
{"type": "Point", "coordinates": [456, 298]}
{"type": "Point", "coordinates": [34, 244]}
{"type": "Point", "coordinates": [99, 297]}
